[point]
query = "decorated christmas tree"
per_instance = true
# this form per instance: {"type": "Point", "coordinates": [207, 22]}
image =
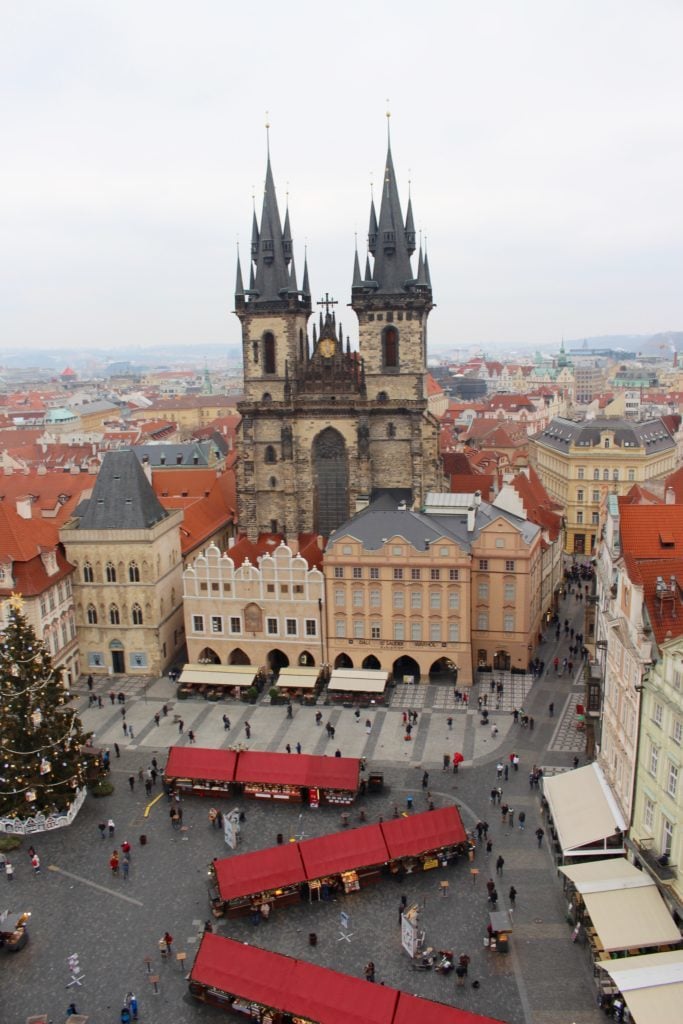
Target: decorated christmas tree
{"type": "Point", "coordinates": [41, 763]}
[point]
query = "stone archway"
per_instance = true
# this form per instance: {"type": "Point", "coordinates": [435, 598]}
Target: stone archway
{"type": "Point", "coordinates": [406, 669]}
{"type": "Point", "coordinates": [330, 481]}
{"type": "Point", "coordinates": [306, 659]}
{"type": "Point", "coordinates": [343, 661]}
{"type": "Point", "coordinates": [277, 660]}
{"type": "Point", "coordinates": [371, 663]}
{"type": "Point", "coordinates": [238, 657]}
{"type": "Point", "coordinates": [208, 657]}
{"type": "Point", "coordinates": [443, 671]}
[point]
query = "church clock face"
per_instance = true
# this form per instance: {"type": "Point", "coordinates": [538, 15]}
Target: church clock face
{"type": "Point", "coordinates": [327, 348]}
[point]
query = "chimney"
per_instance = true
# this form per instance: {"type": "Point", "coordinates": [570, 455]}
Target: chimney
{"type": "Point", "coordinates": [477, 499]}
{"type": "Point", "coordinates": [670, 496]}
{"type": "Point", "coordinates": [24, 507]}
{"type": "Point", "coordinates": [147, 467]}
{"type": "Point", "coordinates": [471, 515]}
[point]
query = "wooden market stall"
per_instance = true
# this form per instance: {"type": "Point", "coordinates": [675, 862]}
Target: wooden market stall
{"type": "Point", "coordinates": [344, 861]}
{"type": "Point", "coordinates": [216, 681]}
{"type": "Point", "coordinates": [200, 770]}
{"type": "Point", "coordinates": [366, 687]}
{"type": "Point", "coordinates": [299, 682]}
{"type": "Point", "coordinates": [273, 877]}
{"type": "Point", "coordinates": [255, 984]}
{"type": "Point", "coordinates": [300, 778]}
{"type": "Point", "coordinates": [424, 841]}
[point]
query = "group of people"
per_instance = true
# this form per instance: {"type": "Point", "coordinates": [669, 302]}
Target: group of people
{"type": "Point", "coordinates": [121, 861]}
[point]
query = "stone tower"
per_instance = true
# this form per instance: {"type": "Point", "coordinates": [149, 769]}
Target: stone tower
{"type": "Point", "coordinates": [322, 426]}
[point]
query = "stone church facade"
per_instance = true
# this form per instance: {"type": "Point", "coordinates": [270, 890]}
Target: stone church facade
{"type": "Point", "coordinates": [323, 427]}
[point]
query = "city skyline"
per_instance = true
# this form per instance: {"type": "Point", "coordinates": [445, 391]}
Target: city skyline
{"type": "Point", "coordinates": [543, 150]}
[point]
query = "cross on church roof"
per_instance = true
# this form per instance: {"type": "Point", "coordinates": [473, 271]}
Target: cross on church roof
{"type": "Point", "coordinates": [327, 302]}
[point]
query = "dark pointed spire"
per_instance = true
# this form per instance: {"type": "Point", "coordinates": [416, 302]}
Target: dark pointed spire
{"type": "Point", "coordinates": [287, 237]}
{"type": "Point", "coordinates": [254, 238]}
{"type": "Point", "coordinates": [392, 258]}
{"type": "Point", "coordinates": [357, 281]}
{"type": "Point", "coordinates": [252, 283]}
{"type": "Point", "coordinates": [239, 285]}
{"type": "Point", "coordinates": [305, 287]}
{"type": "Point", "coordinates": [272, 278]}
{"type": "Point", "coordinates": [421, 278]}
{"type": "Point", "coordinates": [368, 271]}
{"type": "Point", "coordinates": [372, 229]}
{"type": "Point", "coordinates": [428, 276]}
{"type": "Point", "coordinates": [410, 227]}
{"type": "Point", "coordinates": [292, 277]}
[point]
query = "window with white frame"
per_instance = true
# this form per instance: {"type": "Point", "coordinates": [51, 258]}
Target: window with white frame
{"type": "Point", "coordinates": [677, 731]}
{"type": "Point", "coordinates": [415, 630]}
{"type": "Point", "coordinates": [357, 572]}
{"type": "Point", "coordinates": [657, 714]}
{"type": "Point", "coordinates": [596, 496]}
{"type": "Point", "coordinates": [667, 836]}
{"type": "Point", "coordinates": [399, 631]}
{"type": "Point", "coordinates": [649, 814]}
{"type": "Point", "coordinates": [339, 572]}
{"type": "Point", "coordinates": [415, 598]}
{"type": "Point", "coordinates": [581, 472]}
{"type": "Point", "coordinates": [374, 573]}
{"type": "Point", "coordinates": [415, 574]}
{"type": "Point", "coordinates": [198, 623]}
{"type": "Point", "coordinates": [376, 631]}
{"type": "Point", "coordinates": [483, 564]}
{"type": "Point", "coordinates": [508, 623]}
{"type": "Point", "coordinates": [631, 474]}
{"type": "Point", "coordinates": [454, 632]}
{"type": "Point", "coordinates": [595, 518]}
{"type": "Point", "coordinates": [434, 632]}
{"type": "Point", "coordinates": [358, 629]}
{"type": "Point", "coordinates": [482, 620]}
{"type": "Point", "coordinates": [398, 574]}
{"type": "Point", "coordinates": [340, 628]}
{"type": "Point", "coordinates": [435, 600]}
{"type": "Point", "coordinates": [509, 592]}
{"type": "Point", "coordinates": [510, 565]}
{"type": "Point", "coordinates": [453, 575]}
{"type": "Point", "coordinates": [290, 627]}
{"type": "Point", "coordinates": [271, 626]}
{"type": "Point", "coordinates": [483, 590]}
{"type": "Point", "coordinates": [311, 627]}
{"type": "Point", "coordinates": [453, 600]}
{"type": "Point", "coordinates": [398, 599]}
{"type": "Point", "coordinates": [654, 759]}
{"type": "Point", "coordinates": [596, 474]}
{"type": "Point", "coordinates": [678, 678]}
{"type": "Point", "coordinates": [435, 574]}
{"type": "Point", "coordinates": [672, 779]}
{"type": "Point", "coordinates": [216, 623]}
{"type": "Point", "coordinates": [357, 599]}
{"type": "Point", "coordinates": [375, 598]}
{"type": "Point", "coordinates": [339, 598]}
{"type": "Point", "coordinates": [235, 624]}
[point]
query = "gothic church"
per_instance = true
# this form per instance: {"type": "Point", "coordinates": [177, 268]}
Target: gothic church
{"type": "Point", "coordinates": [325, 428]}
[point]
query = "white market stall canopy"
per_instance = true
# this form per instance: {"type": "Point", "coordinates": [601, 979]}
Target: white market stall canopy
{"type": "Point", "coordinates": [623, 903]}
{"type": "Point", "coordinates": [298, 678]}
{"type": "Point", "coordinates": [218, 675]}
{"type": "Point", "coordinates": [652, 985]}
{"type": "Point", "coordinates": [358, 680]}
{"type": "Point", "coordinates": [583, 810]}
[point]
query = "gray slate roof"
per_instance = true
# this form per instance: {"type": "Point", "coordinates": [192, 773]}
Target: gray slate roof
{"type": "Point", "coordinates": [382, 520]}
{"type": "Point", "coordinates": [561, 433]}
{"type": "Point", "coordinates": [122, 498]}
{"type": "Point", "coordinates": [159, 455]}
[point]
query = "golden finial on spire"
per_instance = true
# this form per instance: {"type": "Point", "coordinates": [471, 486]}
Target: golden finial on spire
{"type": "Point", "coordinates": [372, 186]}
{"type": "Point", "coordinates": [267, 133]}
{"type": "Point", "coordinates": [388, 122]}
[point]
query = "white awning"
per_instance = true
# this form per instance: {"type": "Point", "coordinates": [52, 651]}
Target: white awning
{"type": "Point", "coordinates": [652, 985]}
{"type": "Point", "coordinates": [298, 678]}
{"type": "Point", "coordinates": [358, 680]}
{"type": "Point", "coordinates": [583, 809]}
{"type": "Point", "coordinates": [606, 875]}
{"type": "Point", "coordinates": [218, 675]}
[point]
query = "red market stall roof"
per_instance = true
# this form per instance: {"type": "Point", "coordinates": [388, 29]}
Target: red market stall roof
{"type": "Point", "coordinates": [273, 868]}
{"type": "Point", "coordinates": [298, 770]}
{"type": "Point", "coordinates": [410, 837]}
{"type": "Point", "coordinates": [343, 851]}
{"type": "Point", "coordinates": [242, 970]}
{"type": "Point", "coordinates": [201, 763]}
{"type": "Point", "coordinates": [331, 998]}
{"type": "Point", "coordinates": [411, 1009]}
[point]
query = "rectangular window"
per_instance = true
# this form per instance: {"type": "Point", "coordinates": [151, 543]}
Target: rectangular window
{"type": "Point", "coordinates": [654, 759]}
{"type": "Point", "coordinates": [579, 517]}
{"type": "Point", "coordinates": [484, 564]}
{"type": "Point", "coordinates": [657, 714]}
{"type": "Point", "coordinates": [667, 836]}
{"type": "Point", "coordinates": [339, 598]}
{"type": "Point", "coordinates": [271, 627]}
{"type": "Point", "coordinates": [579, 495]}
{"type": "Point", "coordinates": [649, 814]}
{"type": "Point", "coordinates": [595, 518]}
{"type": "Point", "coordinates": [678, 678]}
{"type": "Point", "coordinates": [358, 629]}
{"type": "Point", "coordinates": [374, 573]}
{"type": "Point", "coordinates": [270, 588]}
{"type": "Point", "coordinates": [216, 623]}
{"type": "Point", "coordinates": [339, 572]}
{"type": "Point", "coordinates": [509, 565]}
{"type": "Point", "coordinates": [483, 590]}
{"type": "Point", "coordinates": [454, 632]}
{"type": "Point", "coordinates": [398, 574]}
{"type": "Point", "coordinates": [631, 474]}
{"type": "Point", "coordinates": [435, 574]}
{"type": "Point", "coordinates": [509, 591]}
{"type": "Point", "coordinates": [435, 600]}
{"type": "Point", "coordinates": [375, 598]}
{"type": "Point", "coordinates": [297, 588]}
{"type": "Point", "coordinates": [415, 631]}
{"type": "Point", "coordinates": [509, 623]}
{"type": "Point", "coordinates": [235, 624]}
{"type": "Point", "coordinates": [311, 627]}
{"type": "Point", "coordinates": [398, 599]}
{"type": "Point", "coordinates": [397, 551]}
{"type": "Point", "coordinates": [340, 628]}
{"type": "Point", "coordinates": [672, 779]}
{"type": "Point", "coordinates": [284, 588]}
{"type": "Point", "coordinates": [399, 631]}
{"type": "Point", "coordinates": [357, 572]}
{"type": "Point", "coordinates": [434, 632]}
{"type": "Point", "coordinates": [596, 474]}
{"type": "Point", "coordinates": [453, 575]}
{"type": "Point", "coordinates": [453, 600]}
{"type": "Point", "coordinates": [376, 631]}
{"type": "Point", "coordinates": [581, 472]}
{"type": "Point", "coordinates": [198, 623]}
{"type": "Point", "coordinates": [677, 732]}
{"type": "Point", "coordinates": [596, 496]}
{"type": "Point", "coordinates": [415, 574]}
{"type": "Point", "coordinates": [290, 627]}
{"type": "Point", "coordinates": [357, 599]}
{"type": "Point", "coordinates": [43, 606]}
{"type": "Point", "coordinates": [415, 598]}
{"type": "Point", "coordinates": [500, 542]}
{"type": "Point", "coordinates": [482, 620]}
{"type": "Point", "coordinates": [443, 552]}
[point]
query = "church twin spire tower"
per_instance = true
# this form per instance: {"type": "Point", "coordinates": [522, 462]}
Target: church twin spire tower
{"type": "Point", "coordinates": [323, 428]}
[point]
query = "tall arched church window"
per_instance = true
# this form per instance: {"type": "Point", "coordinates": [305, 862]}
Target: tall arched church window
{"type": "Point", "coordinates": [270, 456]}
{"type": "Point", "coordinates": [391, 430]}
{"type": "Point", "coordinates": [390, 348]}
{"type": "Point", "coordinates": [136, 615]}
{"type": "Point", "coordinates": [88, 575]}
{"type": "Point", "coordinates": [134, 572]}
{"type": "Point", "coordinates": [254, 350]}
{"type": "Point", "coordinates": [269, 352]}
{"type": "Point", "coordinates": [114, 617]}
{"type": "Point", "coordinates": [92, 615]}
{"type": "Point", "coordinates": [111, 572]}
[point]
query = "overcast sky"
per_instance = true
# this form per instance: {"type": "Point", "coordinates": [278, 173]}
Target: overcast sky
{"type": "Point", "coordinates": [544, 141]}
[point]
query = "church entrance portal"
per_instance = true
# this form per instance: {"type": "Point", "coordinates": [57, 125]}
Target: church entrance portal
{"type": "Point", "coordinates": [330, 481]}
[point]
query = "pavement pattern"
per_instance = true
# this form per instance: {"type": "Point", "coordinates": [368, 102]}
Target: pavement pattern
{"type": "Point", "coordinates": [113, 924]}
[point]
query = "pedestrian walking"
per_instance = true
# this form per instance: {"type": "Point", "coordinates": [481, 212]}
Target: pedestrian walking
{"type": "Point", "coordinates": [449, 722]}
{"type": "Point", "coordinates": [130, 732]}
{"type": "Point", "coordinates": [575, 762]}
{"type": "Point", "coordinates": [111, 827]}
{"type": "Point", "coordinates": [226, 723]}
{"type": "Point", "coordinates": [337, 753]}
{"type": "Point", "coordinates": [521, 817]}
{"type": "Point", "coordinates": [318, 717]}
{"type": "Point", "coordinates": [460, 973]}
{"type": "Point", "coordinates": [489, 845]}
{"type": "Point", "coordinates": [117, 750]}
{"type": "Point", "coordinates": [298, 748]}
{"type": "Point", "coordinates": [103, 829]}
{"type": "Point", "coordinates": [288, 748]}
{"type": "Point", "coordinates": [125, 729]}
{"type": "Point", "coordinates": [125, 866]}
{"type": "Point", "coordinates": [148, 787]}
{"type": "Point", "coordinates": [531, 725]}
{"type": "Point", "coordinates": [409, 803]}
{"type": "Point", "coordinates": [511, 818]}
{"type": "Point", "coordinates": [132, 1005]}
{"type": "Point", "coordinates": [35, 864]}
{"type": "Point", "coordinates": [490, 887]}
{"type": "Point", "coordinates": [505, 772]}
{"type": "Point", "coordinates": [401, 908]}
{"type": "Point", "coordinates": [494, 794]}
{"type": "Point", "coordinates": [112, 697]}
{"type": "Point", "coordinates": [9, 871]}
{"type": "Point", "coordinates": [157, 718]}
{"type": "Point", "coordinates": [190, 736]}
{"type": "Point", "coordinates": [464, 961]}
{"type": "Point", "coordinates": [247, 729]}
{"type": "Point", "coordinates": [446, 762]}
{"type": "Point", "coordinates": [499, 864]}
{"type": "Point", "coordinates": [499, 770]}
{"type": "Point", "coordinates": [131, 783]}
{"type": "Point", "coordinates": [181, 726]}
{"type": "Point", "coordinates": [370, 971]}
{"type": "Point", "coordinates": [168, 939]}
{"type": "Point", "coordinates": [539, 836]}
{"type": "Point", "coordinates": [114, 863]}
{"type": "Point", "coordinates": [356, 715]}
{"type": "Point", "coordinates": [425, 780]}
{"type": "Point", "coordinates": [164, 710]}
{"type": "Point", "coordinates": [290, 712]}
{"type": "Point", "coordinates": [512, 895]}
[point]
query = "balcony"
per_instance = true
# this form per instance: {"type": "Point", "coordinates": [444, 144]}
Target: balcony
{"type": "Point", "coordinates": [663, 872]}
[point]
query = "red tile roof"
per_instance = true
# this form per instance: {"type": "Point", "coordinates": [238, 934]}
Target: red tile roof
{"type": "Point", "coordinates": [652, 546]}
{"type": "Point", "coordinates": [267, 543]}
{"type": "Point", "coordinates": [468, 483]}
{"type": "Point", "coordinates": [31, 579]}
{"type": "Point", "coordinates": [675, 482]}
{"type": "Point", "coordinates": [208, 500]}
{"type": "Point", "coordinates": [638, 495]}
{"type": "Point", "coordinates": [432, 387]}
{"type": "Point", "coordinates": [55, 494]}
